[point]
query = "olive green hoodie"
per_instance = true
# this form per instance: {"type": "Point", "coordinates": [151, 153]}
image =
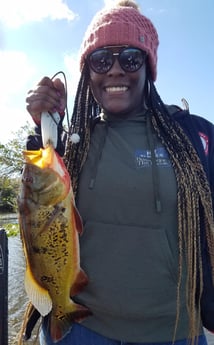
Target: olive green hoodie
{"type": "Point", "coordinates": [129, 248]}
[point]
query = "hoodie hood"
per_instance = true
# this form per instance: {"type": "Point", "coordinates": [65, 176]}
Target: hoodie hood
{"type": "Point", "coordinates": [141, 118]}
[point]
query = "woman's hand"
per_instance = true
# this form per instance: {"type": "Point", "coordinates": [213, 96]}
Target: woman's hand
{"type": "Point", "coordinates": [49, 95]}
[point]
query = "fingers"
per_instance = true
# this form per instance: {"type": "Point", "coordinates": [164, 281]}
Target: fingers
{"type": "Point", "coordinates": [48, 95]}
{"type": "Point", "coordinates": [59, 86]}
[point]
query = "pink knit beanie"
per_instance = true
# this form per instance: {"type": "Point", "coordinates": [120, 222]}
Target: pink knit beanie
{"type": "Point", "coordinates": [122, 24]}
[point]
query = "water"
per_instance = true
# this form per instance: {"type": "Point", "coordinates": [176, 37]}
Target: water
{"type": "Point", "coordinates": [17, 298]}
{"type": "Point", "coordinates": [8, 218]}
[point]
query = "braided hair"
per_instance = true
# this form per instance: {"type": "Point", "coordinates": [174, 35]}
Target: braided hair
{"type": "Point", "coordinates": [194, 200]}
{"type": "Point", "coordinates": [85, 111]}
{"type": "Point", "coordinates": [194, 204]}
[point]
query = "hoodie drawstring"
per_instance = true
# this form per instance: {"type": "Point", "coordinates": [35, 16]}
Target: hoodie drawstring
{"type": "Point", "coordinates": [155, 174]}
{"type": "Point", "coordinates": [97, 157]}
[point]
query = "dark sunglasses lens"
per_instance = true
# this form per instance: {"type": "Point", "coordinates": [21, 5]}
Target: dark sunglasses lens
{"type": "Point", "coordinates": [101, 61]}
{"type": "Point", "coordinates": [131, 59]}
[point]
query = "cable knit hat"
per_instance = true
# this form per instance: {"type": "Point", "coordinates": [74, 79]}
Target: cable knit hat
{"type": "Point", "coordinates": [122, 24]}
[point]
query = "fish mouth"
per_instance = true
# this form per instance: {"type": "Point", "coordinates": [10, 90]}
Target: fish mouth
{"type": "Point", "coordinates": [116, 88]}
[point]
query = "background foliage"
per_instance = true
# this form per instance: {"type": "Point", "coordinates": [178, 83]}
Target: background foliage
{"type": "Point", "coordinates": [11, 163]}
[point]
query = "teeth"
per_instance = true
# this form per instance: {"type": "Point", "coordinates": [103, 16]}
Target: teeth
{"type": "Point", "coordinates": [116, 88]}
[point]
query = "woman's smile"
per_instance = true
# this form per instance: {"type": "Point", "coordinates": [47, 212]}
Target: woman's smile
{"type": "Point", "coordinates": [117, 91]}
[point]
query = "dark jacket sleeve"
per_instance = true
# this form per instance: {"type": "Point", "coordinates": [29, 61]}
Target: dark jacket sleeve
{"type": "Point", "coordinates": [207, 299]}
{"type": "Point", "coordinates": [194, 126]}
{"type": "Point", "coordinates": [34, 142]}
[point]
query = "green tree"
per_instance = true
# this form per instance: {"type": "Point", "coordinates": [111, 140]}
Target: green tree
{"type": "Point", "coordinates": [11, 163]}
{"type": "Point", "coordinates": [11, 158]}
{"type": "Point", "coordinates": [8, 194]}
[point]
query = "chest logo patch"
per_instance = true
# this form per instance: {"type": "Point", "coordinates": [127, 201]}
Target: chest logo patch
{"type": "Point", "coordinates": [143, 158]}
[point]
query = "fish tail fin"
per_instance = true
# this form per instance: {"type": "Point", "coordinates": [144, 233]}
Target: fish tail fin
{"type": "Point", "coordinates": [61, 323]}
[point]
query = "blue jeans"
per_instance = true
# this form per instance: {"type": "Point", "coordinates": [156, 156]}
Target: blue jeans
{"type": "Point", "coordinates": [81, 335]}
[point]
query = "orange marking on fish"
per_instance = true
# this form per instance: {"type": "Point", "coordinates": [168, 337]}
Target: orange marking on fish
{"type": "Point", "coordinates": [50, 226]}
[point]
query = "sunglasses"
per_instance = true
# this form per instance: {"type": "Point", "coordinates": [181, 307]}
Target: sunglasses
{"type": "Point", "coordinates": [130, 59]}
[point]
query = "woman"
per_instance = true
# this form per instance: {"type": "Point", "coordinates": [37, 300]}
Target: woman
{"type": "Point", "coordinates": [143, 185]}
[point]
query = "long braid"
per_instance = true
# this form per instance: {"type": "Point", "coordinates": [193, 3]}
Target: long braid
{"type": "Point", "coordinates": [194, 205]}
{"type": "Point", "coordinates": [193, 196]}
{"type": "Point", "coordinates": [85, 110]}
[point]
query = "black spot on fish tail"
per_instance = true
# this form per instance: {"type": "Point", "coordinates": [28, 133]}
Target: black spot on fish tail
{"type": "Point", "coordinates": [60, 325]}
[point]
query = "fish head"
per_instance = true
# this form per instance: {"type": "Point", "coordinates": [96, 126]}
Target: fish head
{"type": "Point", "coordinates": [45, 178]}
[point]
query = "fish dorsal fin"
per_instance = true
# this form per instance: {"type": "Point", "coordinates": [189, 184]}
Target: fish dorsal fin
{"type": "Point", "coordinates": [38, 296]}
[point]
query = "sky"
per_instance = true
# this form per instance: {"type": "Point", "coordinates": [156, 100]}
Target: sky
{"type": "Point", "coordinates": [40, 38]}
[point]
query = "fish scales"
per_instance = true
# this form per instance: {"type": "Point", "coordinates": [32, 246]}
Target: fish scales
{"type": "Point", "coordinates": [50, 226]}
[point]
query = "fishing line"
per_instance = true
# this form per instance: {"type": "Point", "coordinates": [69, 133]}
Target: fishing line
{"type": "Point", "coordinates": [66, 100]}
{"type": "Point", "coordinates": [74, 137]}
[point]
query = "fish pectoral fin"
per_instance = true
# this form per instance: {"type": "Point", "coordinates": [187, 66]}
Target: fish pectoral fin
{"type": "Point", "coordinates": [38, 296]}
{"type": "Point", "coordinates": [80, 282]}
